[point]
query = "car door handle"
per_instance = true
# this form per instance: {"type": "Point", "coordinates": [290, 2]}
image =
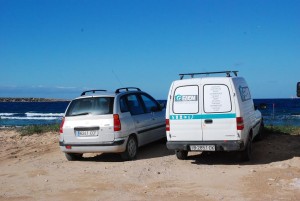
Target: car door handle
{"type": "Point", "coordinates": [208, 121]}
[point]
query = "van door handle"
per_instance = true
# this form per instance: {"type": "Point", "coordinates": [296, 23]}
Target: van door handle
{"type": "Point", "coordinates": [208, 121]}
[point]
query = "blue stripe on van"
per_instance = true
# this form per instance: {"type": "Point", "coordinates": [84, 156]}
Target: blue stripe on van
{"type": "Point", "coordinates": [202, 116]}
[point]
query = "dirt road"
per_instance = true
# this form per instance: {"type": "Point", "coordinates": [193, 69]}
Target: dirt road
{"type": "Point", "coordinates": [33, 168]}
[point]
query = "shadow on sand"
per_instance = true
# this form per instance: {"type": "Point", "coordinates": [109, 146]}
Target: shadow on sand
{"type": "Point", "coordinates": [273, 148]}
{"type": "Point", "coordinates": [152, 150]}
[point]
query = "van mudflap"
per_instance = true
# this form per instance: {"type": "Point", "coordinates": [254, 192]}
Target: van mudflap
{"type": "Point", "coordinates": [232, 145]}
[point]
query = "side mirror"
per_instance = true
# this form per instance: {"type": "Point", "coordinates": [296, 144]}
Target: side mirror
{"type": "Point", "coordinates": [298, 89]}
{"type": "Point", "coordinates": [154, 109]}
{"type": "Point", "coordinates": [261, 106]}
{"type": "Point", "coordinates": [162, 105]}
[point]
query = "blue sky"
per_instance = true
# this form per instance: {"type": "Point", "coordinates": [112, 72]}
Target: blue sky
{"type": "Point", "coordinates": [57, 48]}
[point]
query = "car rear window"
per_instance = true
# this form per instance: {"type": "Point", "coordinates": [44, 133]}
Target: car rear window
{"type": "Point", "coordinates": [95, 106]}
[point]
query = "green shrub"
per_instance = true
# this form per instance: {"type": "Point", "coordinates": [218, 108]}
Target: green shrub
{"type": "Point", "coordinates": [38, 129]}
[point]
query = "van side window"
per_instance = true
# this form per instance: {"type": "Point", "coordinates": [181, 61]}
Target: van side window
{"type": "Point", "coordinates": [134, 105]}
{"type": "Point", "coordinates": [186, 100]}
{"type": "Point", "coordinates": [216, 98]}
{"type": "Point", "coordinates": [245, 93]}
{"type": "Point", "coordinates": [150, 104]}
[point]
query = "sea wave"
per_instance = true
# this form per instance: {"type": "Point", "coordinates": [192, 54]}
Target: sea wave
{"type": "Point", "coordinates": [30, 114]}
{"type": "Point", "coordinates": [30, 118]}
{"type": "Point", "coordinates": [7, 114]}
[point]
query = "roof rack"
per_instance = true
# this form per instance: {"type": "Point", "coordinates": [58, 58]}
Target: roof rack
{"type": "Point", "coordinates": [228, 73]}
{"type": "Point", "coordinates": [83, 93]}
{"type": "Point", "coordinates": [127, 89]}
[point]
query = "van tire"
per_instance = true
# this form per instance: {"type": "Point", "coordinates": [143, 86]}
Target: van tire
{"type": "Point", "coordinates": [246, 154]}
{"type": "Point", "coordinates": [131, 149]}
{"type": "Point", "coordinates": [181, 154]}
{"type": "Point", "coordinates": [260, 134]}
{"type": "Point", "coordinates": [73, 156]}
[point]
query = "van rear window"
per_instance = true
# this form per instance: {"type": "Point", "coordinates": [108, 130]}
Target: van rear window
{"type": "Point", "coordinates": [186, 100]}
{"type": "Point", "coordinates": [216, 98]}
{"type": "Point", "coordinates": [95, 106]}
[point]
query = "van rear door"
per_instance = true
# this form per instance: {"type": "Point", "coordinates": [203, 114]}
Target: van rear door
{"type": "Point", "coordinates": [219, 112]}
{"type": "Point", "coordinates": [184, 110]}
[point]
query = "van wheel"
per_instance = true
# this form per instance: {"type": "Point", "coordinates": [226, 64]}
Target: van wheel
{"type": "Point", "coordinates": [246, 154]}
{"type": "Point", "coordinates": [260, 134]}
{"type": "Point", "coordinates": [181, 154]}
{"type": "Point", "coordinates": [73, 157]}
{"type": "Point", "coordinates": [131, 149]}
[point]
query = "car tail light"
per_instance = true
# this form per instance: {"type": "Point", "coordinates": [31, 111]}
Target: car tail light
{"type": "Point", "coordinates": [61, 125]}
{"type": "Point", "coordinates": [117, 122]}
{"type": "Point", "coordinates": [167, 125]}
{"type": "Point", "coordinates": [239, 123]}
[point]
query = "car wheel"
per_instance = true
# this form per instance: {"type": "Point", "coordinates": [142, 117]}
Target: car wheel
{"type": "Point", "coordinates": [73, 157]}
{"type": "Point", "coordinates": [246, 154]}
{"type": "Point", "coordinates": [131, 149]}
{"type": "Point", "coordinates": [181, 154]}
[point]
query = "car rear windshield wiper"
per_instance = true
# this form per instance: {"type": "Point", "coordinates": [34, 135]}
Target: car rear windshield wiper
{"type": "Point", "coordinates": [79, 114]}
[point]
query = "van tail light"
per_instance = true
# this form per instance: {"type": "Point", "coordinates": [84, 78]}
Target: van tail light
{"type": "Point", "coordinates": [117, 122]}
{"type": "Point", "coordinates": [61, 125]}
{"type": "Point", "coordinates": [167, 125]}
{"type": "Point", "coordinates": [239, 123]}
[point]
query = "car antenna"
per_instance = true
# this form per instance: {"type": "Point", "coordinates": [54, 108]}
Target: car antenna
{"type": "Point", "coordinates": [117, 78]}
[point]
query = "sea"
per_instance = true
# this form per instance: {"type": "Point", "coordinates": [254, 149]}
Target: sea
{"type": "Point", "coordinates": [14, 114]}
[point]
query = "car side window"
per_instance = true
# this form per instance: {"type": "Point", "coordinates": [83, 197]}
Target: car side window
{"type": "Point", "coordinates": [134, 105]}
{"type": "Point", "coordinates": [150, 104]}
{"type": "Point", "coordinates": [123, 104]}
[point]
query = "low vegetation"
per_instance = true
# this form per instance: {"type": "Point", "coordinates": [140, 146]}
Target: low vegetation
{"type": "Point", "coordinates": [38, 129]}
{"type": "Point", "coordinates": [291, 130]}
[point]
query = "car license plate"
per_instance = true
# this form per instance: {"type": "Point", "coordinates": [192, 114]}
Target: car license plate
{"type": "Point", "coordinates": [202, 147]}
{"type": "Point", "coordinates": [86, 133]}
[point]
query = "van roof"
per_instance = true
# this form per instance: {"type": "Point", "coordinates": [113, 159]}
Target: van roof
{"type": "Point", "coordinates": [227, 73]}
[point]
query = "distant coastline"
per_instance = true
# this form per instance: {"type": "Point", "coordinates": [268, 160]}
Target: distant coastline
{"type": "Point", "coordinates": [32, 100]}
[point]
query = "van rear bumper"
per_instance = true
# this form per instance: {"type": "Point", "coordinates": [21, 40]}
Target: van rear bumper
{"type": "Point", "coordinates": [232, 145]}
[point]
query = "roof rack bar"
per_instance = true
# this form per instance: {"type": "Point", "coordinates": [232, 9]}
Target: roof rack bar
{"type": "Point", "coordinates": [228, 73]}
{"type": "Point", "coordinates": [83, 93]}
{"type": "Point", "coordinates": [127, 89]}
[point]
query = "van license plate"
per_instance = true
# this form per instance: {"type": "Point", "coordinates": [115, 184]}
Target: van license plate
{"type": "Point", "coordinates": [202, 147]}
{"type": "Point", "coordinates": [86, 133]}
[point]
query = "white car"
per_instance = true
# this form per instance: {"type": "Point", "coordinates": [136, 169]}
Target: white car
{"type": "Point", "coordinates": [114, 122]}
{"type": "Point", "coordinates": [211, 114]}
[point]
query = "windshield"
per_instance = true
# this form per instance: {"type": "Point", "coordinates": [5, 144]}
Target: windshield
{"type": "Point", "coordinates": [95, 106]}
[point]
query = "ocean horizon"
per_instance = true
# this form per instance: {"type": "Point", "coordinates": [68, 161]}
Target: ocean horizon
{"type": "Point", "coordinates": [281, 111]}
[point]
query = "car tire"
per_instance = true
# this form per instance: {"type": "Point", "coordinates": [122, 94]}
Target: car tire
{"type": "Point", "coordinates": [131, 149]}
{"type": "Point", "coordinates": [73, 156]}
{"type": "Point", "coordinates": [246, 154]}
{"type": "Point", "coordinates": [181, 154]}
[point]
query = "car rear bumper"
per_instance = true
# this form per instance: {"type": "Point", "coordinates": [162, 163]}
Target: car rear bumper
{"type": "Point", "coordinates": [232, 145]}
{"type": "Point", "coordinates": [101, 147]}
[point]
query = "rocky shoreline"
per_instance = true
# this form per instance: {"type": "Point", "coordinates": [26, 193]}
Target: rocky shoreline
{"type": "Point", "coordinates": [32, 100]}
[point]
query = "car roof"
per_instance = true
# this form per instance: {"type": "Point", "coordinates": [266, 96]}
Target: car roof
{"type": "Point", "coordinates": [104, 93]}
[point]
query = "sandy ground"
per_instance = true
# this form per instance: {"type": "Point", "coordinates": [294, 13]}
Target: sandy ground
{"type": "Point", "coordinates": [33, 168]}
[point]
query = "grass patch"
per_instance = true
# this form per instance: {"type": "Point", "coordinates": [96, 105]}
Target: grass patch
{"type": "Point", "coordinates": [38, 129]}
{"type": "Point", "coordinates": [290, 130]}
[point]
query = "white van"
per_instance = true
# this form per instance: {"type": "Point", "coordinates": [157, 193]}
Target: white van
{"type": "Point", "coordinates": [211, 114]}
